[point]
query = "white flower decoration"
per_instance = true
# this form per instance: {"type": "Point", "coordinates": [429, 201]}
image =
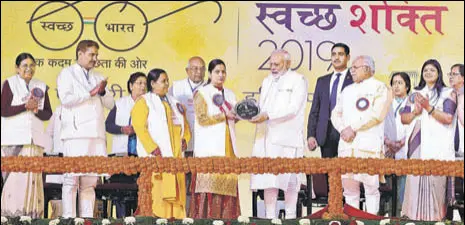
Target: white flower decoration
{"type": "Point", "coordinates": [243, 219]}
{"type": "Point", "coordinates": [218, 222]}
{"type": "Point", "coordinates": [276, 221]}
{"type": "Point", "coordinates": [54, 222]}
{"type": "Point", "coordinates": [384, 222]}
{"type": "Point", "coordinates": [334, 221]}
{"type": "Point", "coordinates": [359, 222]}
{"type": "Point", "coordinates": [27, 219]}
{"type": "Point", "coordinates": [106, 222]}
{"type": "Point", "coordinates": [439, 223]}
{"type": "Point", "coordinates": [410, 223]}
{"type": "Point", "coordinates": [304, 222]}
{"type": "Point", "coordinates": [187, 221]}
{"type": "Point", "coordinates": [130, 220]}
{"type": "Point", "coordinates": [162, 221]}
{"type": "Point", "coordinates": [4, 220]}
{"type": "Point", "coordinates": [78, 221]}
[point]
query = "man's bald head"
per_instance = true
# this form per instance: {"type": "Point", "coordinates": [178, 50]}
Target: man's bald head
{"type": "Point", "coordinates": [195, 69]}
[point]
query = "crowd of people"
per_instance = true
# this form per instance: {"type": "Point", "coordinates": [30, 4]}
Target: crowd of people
{"type": "Point", "coordinates": [352, 115]}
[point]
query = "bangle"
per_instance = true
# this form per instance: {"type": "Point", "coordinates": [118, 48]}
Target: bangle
{"type": "Point", "coordinates": [156, 152]}
{"type": "Point", "coordinates": [431, 112]}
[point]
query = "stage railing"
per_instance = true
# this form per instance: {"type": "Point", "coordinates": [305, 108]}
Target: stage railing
{"type": "Point", "coordinates": [334, 167]}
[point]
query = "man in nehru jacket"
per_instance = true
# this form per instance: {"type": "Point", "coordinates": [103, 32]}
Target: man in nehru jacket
{"type": "Point", "coordinates": [280, 131]}
{"type": "Point", "coordinates": [183, 91]}
{"type": "Point", "coordinates": [359, 117]}
{"type": "Point", "coordinates": [83, 95]}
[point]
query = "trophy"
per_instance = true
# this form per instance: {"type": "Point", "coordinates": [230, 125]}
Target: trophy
{"type": "Point", "coordinates": [247, 109]}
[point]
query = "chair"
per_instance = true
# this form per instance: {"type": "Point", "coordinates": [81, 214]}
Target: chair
{"type": "Point", "coordinates": [1, 185]}
{"type": "Point", "coordinates": [459, 200]}
{"type": "Point", "coordinates": [318, 183]}
{"type": "Point", "coordinates": [119, 189]}
{"type": "Point", "coordinates": [301, 200]}
{"type": "Point", "coordinates": [52, 191]}
{"type": "Point", "coordinates": [388, 192]}
{"type": "Point", "coordinates": [124, 193]}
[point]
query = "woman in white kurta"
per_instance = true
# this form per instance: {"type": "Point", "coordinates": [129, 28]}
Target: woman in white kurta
{"type": "Point", "coordinates": [162, 130]}
{"type": "Point", "coordinates": [395, 131]}
{"type": "Point", "coordinates": [214, 195]}
{"type": "Point", "coordinates": [118, 121]}
{"type": "Point", "coordinates": [430, 112]}
{"type": "Point", "coordinates": [23, 112]}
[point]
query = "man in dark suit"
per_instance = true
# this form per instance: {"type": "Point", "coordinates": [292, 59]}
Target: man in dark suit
{"type": "Point", "coordinates": [320, 130]}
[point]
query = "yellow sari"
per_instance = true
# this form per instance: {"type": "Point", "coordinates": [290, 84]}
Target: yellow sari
{"type": "Point", "coordinates": [168, 190]}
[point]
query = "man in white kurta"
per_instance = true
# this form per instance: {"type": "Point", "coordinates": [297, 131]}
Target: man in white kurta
{"type": "Point", "coordinates": [183, 91]}
{"type": "Point", "coordinates": [359, 117]}
{"type": "Point", "coordinates": [83, 95]}
{"type": "Point", "coordinates": [280, 131]}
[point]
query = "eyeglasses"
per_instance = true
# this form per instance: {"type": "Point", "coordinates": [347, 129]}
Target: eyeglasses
{"type": "Point", "coordinates": [356, 67]}
{"type": "Point", "coordinates": [453, 74]}
{"type": "Point", "coordinates": [197, 68]}
{"type": "Point", "coordinates": [25, 66]}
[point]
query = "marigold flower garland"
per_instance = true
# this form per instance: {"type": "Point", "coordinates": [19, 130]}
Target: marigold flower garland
{"type": "Point", "coordinates": [144, 182]}
{"type": "Point", "coordinates": [335, 167]}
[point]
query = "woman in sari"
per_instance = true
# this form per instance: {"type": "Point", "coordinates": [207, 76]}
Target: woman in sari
{"type": "Point", "coordinates": [429, 112]}
{"type": "Point", "coordinates": [162, 130]}
{"type": "Point", "coordinates": [214, 195]}
{"type": "Point", "coordinates": [25, 105]}
{"type": "Point", "coordinates": [395, 131]}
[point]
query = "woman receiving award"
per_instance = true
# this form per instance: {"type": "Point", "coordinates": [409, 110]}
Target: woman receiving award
{"type": "Point", "coordinates": [162, 130]}
{"type": "Point", "coordinates": [214, 195]}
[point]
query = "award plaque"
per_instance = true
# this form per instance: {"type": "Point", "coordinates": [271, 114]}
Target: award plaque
{"type": "Point", "coordinates": [247, 109]}
{"type": "Point", "coordinates": [37, 93]}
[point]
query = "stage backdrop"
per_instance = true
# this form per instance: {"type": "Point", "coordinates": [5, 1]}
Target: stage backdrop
{"type": "Point", "coordinates": [139, 36]}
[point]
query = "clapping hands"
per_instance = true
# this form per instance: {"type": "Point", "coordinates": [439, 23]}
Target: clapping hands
{"type": "Point", "coordinates": [100, 88]}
